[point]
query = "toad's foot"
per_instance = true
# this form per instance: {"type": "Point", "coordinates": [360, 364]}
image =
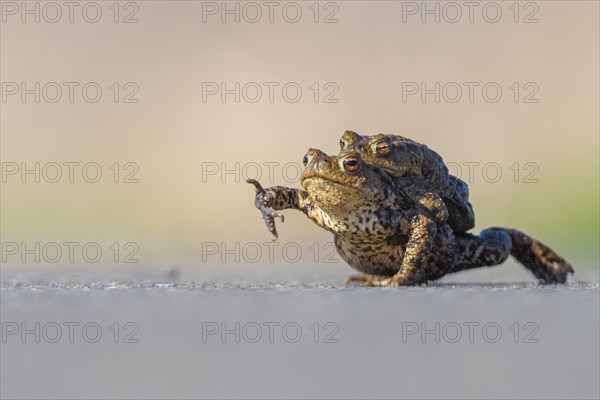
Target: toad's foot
{"type": "Point", "coordinates": [361, 279]}
{"type": "Point", "coordinates": [391, 281]}
{"type": "Point", "coordinates": [547, 266]}
{"type": "Point", "coordinates": [264, 201]}
{"type": "Point", "coordinates": [381, 281]}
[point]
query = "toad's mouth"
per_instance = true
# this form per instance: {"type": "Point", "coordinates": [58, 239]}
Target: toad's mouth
{"type": "Point", "coordinates": [324, 184]}
{"type": "Point", "coordinates": [330, 194]}
{"type": "Point", "coordinates": [312, 178]}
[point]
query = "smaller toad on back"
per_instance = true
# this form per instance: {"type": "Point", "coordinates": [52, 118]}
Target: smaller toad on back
{"type": "Point", "coordinates": [420, 172]}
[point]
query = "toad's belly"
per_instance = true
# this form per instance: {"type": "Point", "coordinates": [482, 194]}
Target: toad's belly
{"type": "Point", "coordinates": [371, 258]}
{"type": "Point", "coordinates": [386, 259]}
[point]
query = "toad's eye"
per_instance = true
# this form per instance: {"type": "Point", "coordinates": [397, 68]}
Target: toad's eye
{"type": "Point", "coordinates": [305, 160]}
{"type": "Point", "coordinates": [383, 148]}
{"type": "Point", "coordinates": [351, 164]}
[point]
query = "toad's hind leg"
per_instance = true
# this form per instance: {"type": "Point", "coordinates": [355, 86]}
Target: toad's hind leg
{"type": "Point", "coordinates": [493, 245]}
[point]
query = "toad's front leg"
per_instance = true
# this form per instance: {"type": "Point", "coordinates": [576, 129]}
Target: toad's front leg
{"type": "Point", "coordinates": [424, 194]}
{"type": "Point", "coordinates": [416, 256]}
{"type": "Point", "coordinates": [271, 199]}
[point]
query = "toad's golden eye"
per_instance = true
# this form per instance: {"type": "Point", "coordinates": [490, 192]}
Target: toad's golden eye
{"type": "Point", "coordinates": [383, 148]}
{"type": "Point", "coordinates": [305, 160]}
{"type": "Point", "coordinates": [351, 164]}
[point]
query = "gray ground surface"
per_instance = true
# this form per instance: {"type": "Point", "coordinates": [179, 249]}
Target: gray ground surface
{"type": "Point", "coordinates": [369, 342]}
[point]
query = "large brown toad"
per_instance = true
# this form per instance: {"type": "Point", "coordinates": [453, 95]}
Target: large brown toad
{"type": "Point", "coordinates": [379, 229]}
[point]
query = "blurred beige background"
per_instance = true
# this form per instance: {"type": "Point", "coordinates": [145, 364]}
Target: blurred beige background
{"type": "Point", "coordinates": [173, 136]}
